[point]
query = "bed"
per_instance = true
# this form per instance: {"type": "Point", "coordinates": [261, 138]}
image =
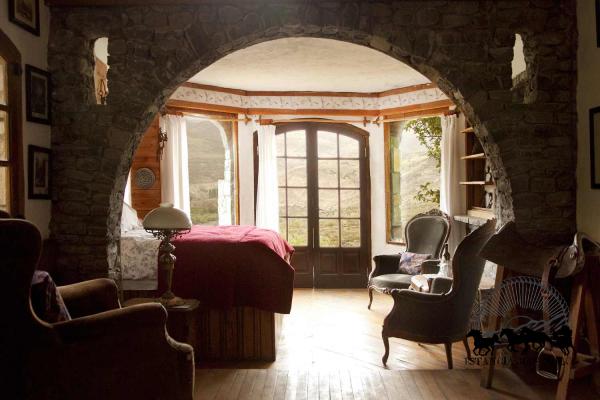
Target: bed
{"type": "Point", "coordinates": [241, 275]}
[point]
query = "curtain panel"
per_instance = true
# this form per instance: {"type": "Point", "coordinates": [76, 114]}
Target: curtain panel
{"type": "Point", "coordinates": [174, 180]}
{"type": "Point", "coordinates": [267, 194]}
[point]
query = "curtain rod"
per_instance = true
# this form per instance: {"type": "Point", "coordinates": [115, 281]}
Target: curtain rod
{"type": "Point", "coordinates": [198, 115]}
{"type": "Point", "coordinates": [364, 121]}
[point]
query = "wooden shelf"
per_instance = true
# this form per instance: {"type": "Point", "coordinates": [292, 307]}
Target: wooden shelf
{"type": "Point", "coordinates": [468, 130]}
{"type": "Point", "coordinates": [478, 156]}
{"type": "Point", "coordinates": [480, 183]}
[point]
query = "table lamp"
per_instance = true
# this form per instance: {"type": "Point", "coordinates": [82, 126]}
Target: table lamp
{"type": "Point", "coordinates": [166, 223]}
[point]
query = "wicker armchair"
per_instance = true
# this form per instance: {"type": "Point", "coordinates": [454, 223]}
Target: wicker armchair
{"type": "Point", "coordinates": [425, 233]}
{"type": "Point", "coordinates": [104, 352]}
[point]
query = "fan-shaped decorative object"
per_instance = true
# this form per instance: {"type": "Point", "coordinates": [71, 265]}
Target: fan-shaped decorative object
{"type": "Point", "coordinates": [144, 178]}
{"type": "Point", "coordinates": [520, 297]}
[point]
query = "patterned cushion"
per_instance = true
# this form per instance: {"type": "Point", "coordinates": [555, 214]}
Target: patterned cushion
{"type": "Point", "coordinates": [410, 263]}
{"type": "Point", "coordinates": [46, 300]}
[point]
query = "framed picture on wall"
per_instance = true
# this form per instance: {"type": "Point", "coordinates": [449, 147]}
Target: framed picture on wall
{"type": "Point", "coordinates": [26, 14]}
{"type": "Point", "coordinates": [595, 146]}
{"type": "Point", "coordinates": [38, 174]}
{"type": "Point", "coordinates": [37, 84]}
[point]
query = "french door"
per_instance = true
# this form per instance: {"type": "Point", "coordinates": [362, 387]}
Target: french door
{"type": "Point", "coordinates": [324, 203]}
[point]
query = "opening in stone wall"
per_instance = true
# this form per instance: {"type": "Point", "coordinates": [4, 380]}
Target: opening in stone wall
{"type": "Point", "coordinates": [101, 70]}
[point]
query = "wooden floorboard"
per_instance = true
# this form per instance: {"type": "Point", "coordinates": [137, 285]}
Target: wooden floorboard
{"type": "Point", "coordinates": [331, 348]}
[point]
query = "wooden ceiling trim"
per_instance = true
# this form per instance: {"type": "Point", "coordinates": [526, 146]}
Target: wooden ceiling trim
{"type": "Point", "coordinates": [240, 92]}
{"type": "Point", "coordinates": [114, 3]}
{"type": "Point", "coordinates": [434, 107]}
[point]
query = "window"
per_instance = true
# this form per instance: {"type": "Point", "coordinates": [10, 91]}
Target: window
{"type": "Point", "coordinates": [212, 171]}
{"type": "Point", "coordinates": [412, 171]}
{"type": "Point", "coordinates": [11, 169]}
{"type": "Point", "coordinates": [101, 70]}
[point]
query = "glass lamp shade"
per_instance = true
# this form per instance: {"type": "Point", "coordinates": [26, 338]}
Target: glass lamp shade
{"type": "Point", "coordinates": [167, 217]}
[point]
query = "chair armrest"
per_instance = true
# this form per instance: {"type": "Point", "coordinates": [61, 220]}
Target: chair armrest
{"type": "Point", "coordinates": [90, 297]}
{"type": "Point", "coordinates": [141, 317]}
{"type": "Point", "coordinates": [385, 264]}
{"type": "Point", "coordinates": [430, 267]}
{"type": "Point", "coordinates": [441, 285]}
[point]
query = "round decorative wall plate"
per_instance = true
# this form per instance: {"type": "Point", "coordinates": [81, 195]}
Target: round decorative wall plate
{"type": "Point", "coordinates": [144, 178]}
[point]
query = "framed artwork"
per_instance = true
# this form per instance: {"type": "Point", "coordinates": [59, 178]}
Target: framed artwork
{"type": "Point", "coordinates": [38, 86]}
{"type": "Point", "coordinates": [26, 14]}
{"type": "Point", "coordinates": [595, 146]}
{"type": "Point", "coordinates": [38, 174]}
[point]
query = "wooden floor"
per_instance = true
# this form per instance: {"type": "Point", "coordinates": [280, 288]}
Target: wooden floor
{"type": "Point", "coordinates": [331, 348]}
{"type": "Point", "coordinates": [329, 328]}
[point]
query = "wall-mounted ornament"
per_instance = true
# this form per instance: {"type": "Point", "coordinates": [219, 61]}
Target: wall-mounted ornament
{"type": "Point", "coordinates": [144, 178]}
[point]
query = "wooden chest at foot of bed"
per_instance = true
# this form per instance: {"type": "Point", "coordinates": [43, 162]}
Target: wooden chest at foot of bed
{"type": "Point", "coordinates": [237, 334]}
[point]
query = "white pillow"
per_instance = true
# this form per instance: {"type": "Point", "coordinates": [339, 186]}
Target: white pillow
{"type": "Point", "coordinates": [129, 219]}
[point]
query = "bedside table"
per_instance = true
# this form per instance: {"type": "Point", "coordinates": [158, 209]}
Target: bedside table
{"type": "Point", "coordinates": [181, 321]}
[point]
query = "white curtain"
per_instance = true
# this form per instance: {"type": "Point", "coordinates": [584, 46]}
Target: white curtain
{"type": "Point", "coordinates": [267, 193]}
{"type": "Point", "coordinates": [450, 190]}
{"type": "Point", "coordinates": [174, 179]}
{"type": "Point", "coordinates": [127, 194]}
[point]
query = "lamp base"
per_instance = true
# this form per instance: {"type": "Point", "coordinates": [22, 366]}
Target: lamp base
{"type": "Point", "coordinates": [168, 299]}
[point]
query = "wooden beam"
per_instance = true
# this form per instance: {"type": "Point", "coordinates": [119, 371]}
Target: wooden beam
{"type": "Point", "coordinates": [116, 3]}
{"type": "Point", "coordinates": [431, 108]}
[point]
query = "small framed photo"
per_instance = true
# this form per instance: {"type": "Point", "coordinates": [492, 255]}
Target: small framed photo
{"type": "Point", "coordinates": [38, 174]}
{"type": "Point", "coordinates": [595, 146]}
{"type": "Point", "coordinates": [26, 14]}
{"type": "Point", "coordinates": [38, 86]}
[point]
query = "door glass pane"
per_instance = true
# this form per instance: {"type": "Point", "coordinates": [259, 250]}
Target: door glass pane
{"type": "Point", "coordinates": [280, 144]}
{"type": "Point", "coordinates": [297, 203]}
{"type": "Point", "coordinates": [328, 203]}
{"type": "Point", "coordinates": [328, 174]}
{"type": "Point", "coordinates": [283, 227]}
{"type": "Point", "coordinates": [282, 202]}
{"type": "Point", "coordinates": [296, 144]}
{"type": "Point", "coordinates": [3, 136]}
{"type": "Point", "coordinates": [281, 171]}
{"type": "Point", "coordinates": [327, 142]}
{"type": "Point", "coordinates": [329, 235]}
{"type": "Point", "coordinates": [350, 232]}
{"type": "Point", "coordinates": [349, 173]}
{"type": "Point", "coordinates": [298, 231]}
{"type": "Point", "coordinates": [350, 203]}
{"type": "Point", "coordinates": [3, 83]}
{"type": "Point", "coordinates": [296, 172]}
{"type": "Point", "coordinates": [348, 147]}
{"type": "Point", "coordinates": [4, 185]}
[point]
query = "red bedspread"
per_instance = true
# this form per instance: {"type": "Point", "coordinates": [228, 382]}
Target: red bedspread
{"type": "Point", "coordinates": [225, 266]}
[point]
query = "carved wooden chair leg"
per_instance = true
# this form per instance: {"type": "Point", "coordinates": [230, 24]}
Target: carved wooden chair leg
{"type": "Point", "coordinates": [386, 344]}
{"type": "Point", "coordinates": [370, 298]}
{"type": "Point", "coordinates": [448, 347]}
{"type": "Point", "coordinates": [467, 348]}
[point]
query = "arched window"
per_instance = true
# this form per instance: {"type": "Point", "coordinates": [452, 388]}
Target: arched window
{"type": "Point", "coordinates": [211, 166]}
{"type": "Point", "coordinates": [11, 166]}
{"type": "Point", "coordinates": [101, 70]}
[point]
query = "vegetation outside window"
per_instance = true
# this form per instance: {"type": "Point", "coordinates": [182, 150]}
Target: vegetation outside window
{"type": "Point", "coordinates": [212, 171]}
{"type": "Point", "coordinates": [413, 156]}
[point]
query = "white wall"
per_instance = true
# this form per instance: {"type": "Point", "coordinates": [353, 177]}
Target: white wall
{"type": "Point", "coordinates": [34, 51]}
{"type": "Point", "coordinates": [588, 96]}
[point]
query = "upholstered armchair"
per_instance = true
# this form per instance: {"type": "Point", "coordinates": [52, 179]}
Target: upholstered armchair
{"type": "Point", "coordinates": [425, 233]}
{"type": "Point", "coordinates": [443, 315]}
{"type": "Point", "coordinates": [103, 352]}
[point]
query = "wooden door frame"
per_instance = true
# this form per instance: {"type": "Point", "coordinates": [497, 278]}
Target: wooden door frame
{"type": "Point", "coordinates": [12, 56]}
{"type": "Point", "coordinates": [365, 183]}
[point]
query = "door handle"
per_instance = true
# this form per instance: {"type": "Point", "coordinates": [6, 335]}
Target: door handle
{"type": "Point", "coordinates": [313, 237]}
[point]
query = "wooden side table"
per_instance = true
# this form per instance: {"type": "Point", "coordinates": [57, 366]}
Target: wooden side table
{"type": "Point", "coordinates": [181, 321]}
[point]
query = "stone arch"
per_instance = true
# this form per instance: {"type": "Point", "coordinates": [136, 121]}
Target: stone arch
{"type": "Point", "coordinates": [155, 49]}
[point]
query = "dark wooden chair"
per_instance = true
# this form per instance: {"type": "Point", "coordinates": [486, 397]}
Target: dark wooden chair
{"type": "Point", "coordinates": [425, 233]}
{"type": "Point", "coordinates": [441, 316]}
{"type": "Point", "coordinates": [104, 352]}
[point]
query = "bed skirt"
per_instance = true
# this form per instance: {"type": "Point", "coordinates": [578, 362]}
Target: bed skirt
{"type": "Point", "coordinates": [231, 334]}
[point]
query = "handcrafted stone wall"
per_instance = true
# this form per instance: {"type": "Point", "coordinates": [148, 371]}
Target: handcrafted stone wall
{"type": "Point", "coordinates": [465, 47]}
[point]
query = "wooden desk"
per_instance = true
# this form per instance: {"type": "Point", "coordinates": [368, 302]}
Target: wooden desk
{"type": "Point", "coordinates": [181, 322]}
